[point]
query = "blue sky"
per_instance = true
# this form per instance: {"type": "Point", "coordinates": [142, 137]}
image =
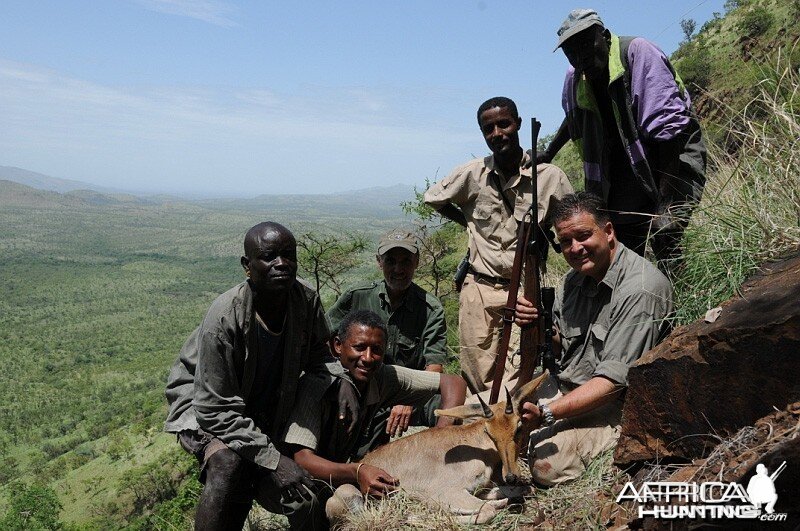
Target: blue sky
{"type": "Point", "coordinates": [223, 97]}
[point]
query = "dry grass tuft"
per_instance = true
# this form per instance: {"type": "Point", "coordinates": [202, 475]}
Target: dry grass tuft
{"type": "Point", "coordinates": [750, 212]}
{"type": "Point", "coordinates": [400, 511]}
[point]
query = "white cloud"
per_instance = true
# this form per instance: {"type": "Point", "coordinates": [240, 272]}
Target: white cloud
{"type": "Point", "coordinates": [211, 11]}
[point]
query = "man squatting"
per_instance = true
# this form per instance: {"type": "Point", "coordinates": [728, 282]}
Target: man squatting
{"type": "Point", "coordinates": [319, 447]}
{"type": "Point", "coordinates": [233, 387]}
{"type": "Point", "coordinates": [612, 307]}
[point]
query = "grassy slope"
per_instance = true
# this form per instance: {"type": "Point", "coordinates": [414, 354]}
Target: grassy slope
{"type": "Point", "coordinates": [723, 66]}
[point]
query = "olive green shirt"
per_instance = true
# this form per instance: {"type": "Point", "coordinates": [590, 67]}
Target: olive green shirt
{"type": "Point", "coordinates": [417, 329]}
{"type": "Point", "coordinates": [311, 424]}
{"type": "Point", "coordinates": [211, 383]}
{"type": "Point", "coordinates": [605, 327]}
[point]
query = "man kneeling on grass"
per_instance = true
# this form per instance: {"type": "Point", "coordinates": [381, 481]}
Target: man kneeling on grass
{"type": "Point", "coordinates": [612, 307]}
{"type": "Point", "coordinates": [319, 444]}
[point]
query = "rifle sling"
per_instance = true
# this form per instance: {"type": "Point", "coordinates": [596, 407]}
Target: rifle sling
{"type": "Point", "coordinates": [499, 186]}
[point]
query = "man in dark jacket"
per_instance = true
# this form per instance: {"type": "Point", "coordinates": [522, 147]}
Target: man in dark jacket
{"type": "Point", "coordinates": [233, 387]}
{"type": "Point", "coordinates": [642, 147]}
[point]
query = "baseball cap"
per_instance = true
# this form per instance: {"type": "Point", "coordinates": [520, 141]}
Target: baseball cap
{"type": "Point", "coordinates": [577, 21]}
{"type": "Point", "coordinates": [398, 238]}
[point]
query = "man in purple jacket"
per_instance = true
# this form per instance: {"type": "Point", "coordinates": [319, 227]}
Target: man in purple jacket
{"type": "Point", "coordinates": [630, 116]}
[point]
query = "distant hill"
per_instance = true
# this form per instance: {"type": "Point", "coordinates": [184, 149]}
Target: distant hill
{"type": "Point", "coordinates": [45, 182]}
{"type": "Point", "coordinates": [377, 203]}
{"type": "Point", "coordinates": [23, 187]}
{"type": "Point", "coordinates": [18, 194]}
{"type": "Point", "coordinates": [357, 207]}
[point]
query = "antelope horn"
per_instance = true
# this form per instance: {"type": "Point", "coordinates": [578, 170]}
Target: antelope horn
{"type": "Point", "coordinates": [487, 411]}
{"type": "Point", "coordinates": [509, 404]}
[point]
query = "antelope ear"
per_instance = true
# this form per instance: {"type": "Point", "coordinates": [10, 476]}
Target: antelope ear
{"type": "Point", "coordinates": [526, 392]}
{"type": "Point", "coordinates": [466, 411]}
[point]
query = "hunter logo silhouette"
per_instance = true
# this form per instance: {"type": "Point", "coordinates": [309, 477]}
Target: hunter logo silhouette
{"type": "Point", "coordinates": [761, 488]}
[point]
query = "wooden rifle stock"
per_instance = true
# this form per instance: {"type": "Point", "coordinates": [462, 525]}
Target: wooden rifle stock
{"type": "Point", "coordinates": [526, 254]}
{"type": "Point", "coordinates": [531, 336]}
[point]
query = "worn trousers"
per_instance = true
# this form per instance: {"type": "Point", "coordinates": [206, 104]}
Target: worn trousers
{"type": "Point", "coordinates": [480, 325]}
{"type": "Point", "coordinates": [231, 483]}
{"type": "Point", "coordinates": [561, 452]}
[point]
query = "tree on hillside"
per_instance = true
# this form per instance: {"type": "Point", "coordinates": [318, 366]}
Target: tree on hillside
{"type": "Point", "coordinates": [688, 26]}
{"type": "Point", "coordinates": [438, 241]}
{"type": "Point", "coordinates": [31, 507]}
{"type": "Point", "coordinates": [327, 257]}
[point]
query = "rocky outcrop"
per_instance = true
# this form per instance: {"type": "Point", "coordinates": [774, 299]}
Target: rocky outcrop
{"type": "Point", "coordinates": [707, 380]}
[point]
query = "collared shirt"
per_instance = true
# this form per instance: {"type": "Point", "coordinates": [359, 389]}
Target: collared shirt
{"type": "Point", "coordinates": [605, 327]}
{"type": "Point", "coordinates": [417, 329]}
{"type": "Point", "coordinates": [492, 227]}
{"type": "Point", "coordinates": [311, 423]}
{"type": "Point", "coordinates": [211, 383]}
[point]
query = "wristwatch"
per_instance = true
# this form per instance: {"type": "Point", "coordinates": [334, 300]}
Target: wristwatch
{"type": "Point", "coordinates": [548, 419]}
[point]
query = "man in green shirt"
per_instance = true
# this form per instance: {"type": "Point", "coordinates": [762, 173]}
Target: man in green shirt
{"type": "Point", "coordinates": [313, 435]}
{"type": "Point", "coordinates": [417, 336]}
{"type": "Point", "coordinates": [612, 307]}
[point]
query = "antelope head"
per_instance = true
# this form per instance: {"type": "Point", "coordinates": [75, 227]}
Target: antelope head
{"type": "Point", "coordinates": [502, 423]}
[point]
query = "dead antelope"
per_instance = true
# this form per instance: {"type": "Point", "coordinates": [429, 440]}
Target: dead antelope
{"type": "Point", "coordinates": [449, 465]}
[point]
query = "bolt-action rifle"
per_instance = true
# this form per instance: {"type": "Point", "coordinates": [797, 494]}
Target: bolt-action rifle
{"type": "Point", "coordinates": [531, 251]}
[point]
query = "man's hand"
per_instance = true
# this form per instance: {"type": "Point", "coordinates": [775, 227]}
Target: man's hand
{"type": "Point", "coordinates": [292, 480]}
{"type": "Point", "coordinates": [375, 481]}
{"type": "Point", "coordinates": [531, 415]}
{"type": "Point", "coordinates": [542, 157]}
{"type": "Point", "coordinates": [348, 405]}
{"type": "Point", "coordinates": [399, 419]}
{"type": "Point", "coordinates": [525, 312]}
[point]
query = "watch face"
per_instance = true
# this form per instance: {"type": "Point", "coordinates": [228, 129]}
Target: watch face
{"type": "Point", "coordinates": [547, 415]}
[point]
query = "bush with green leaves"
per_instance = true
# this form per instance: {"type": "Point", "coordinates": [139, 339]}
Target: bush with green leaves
{"type": "Point", "coordinates": [695, 66]}
{"type": "Point", "coordinates": [31, 508]}
{"type": "Point", "coordinates": [756, 21]}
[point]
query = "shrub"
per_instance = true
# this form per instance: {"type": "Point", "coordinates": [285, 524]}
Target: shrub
{"type": "Point", "coordinates": [756, 21]}
{"type": "Point", "coordinates": [695, 67]}
{"type": "Point", "coordinates": [8, 469]}
{"type": "Point", "coordinates": [730, 5]}
{"type": "Point", "coordinates": [31, 508]}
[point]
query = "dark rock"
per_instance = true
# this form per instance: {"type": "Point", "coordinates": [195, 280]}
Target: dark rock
{"type": "Point", "coordinates": [707, 380]}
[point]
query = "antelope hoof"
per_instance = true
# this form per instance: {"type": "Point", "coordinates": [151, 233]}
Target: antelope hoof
{"type": "Point", "coordinates": [483, 515]}
{"type": "Point", "coordinates": [347, 499]}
